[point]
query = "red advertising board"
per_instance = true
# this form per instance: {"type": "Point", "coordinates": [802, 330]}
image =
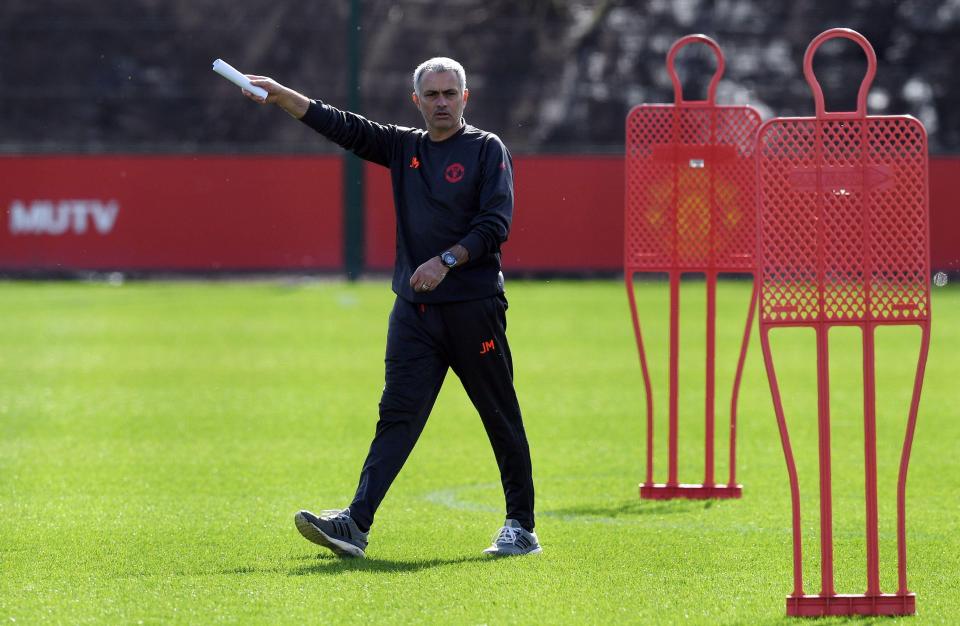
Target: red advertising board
{"type": "Point", "coordinates": [215, 213]}
{"type": "Point", "coordinates": [944, 215]}
{"type": "Point", "coordinates": [171, 213]}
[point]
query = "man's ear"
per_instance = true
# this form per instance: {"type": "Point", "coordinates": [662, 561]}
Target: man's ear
{"type": "Point", "coordinates": [415, 98]}
{"type": "Point", "coordinates": [466, 94]}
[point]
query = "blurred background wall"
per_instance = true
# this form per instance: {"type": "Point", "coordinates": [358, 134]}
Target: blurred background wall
{"type": "Point", "coordinates": [554, 79]}
{"type": "Point", "coordinates": [547, 75]}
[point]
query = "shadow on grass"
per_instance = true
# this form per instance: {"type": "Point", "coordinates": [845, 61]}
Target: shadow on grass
{"type": "Point", "coordinates": [630, 509]}
{"type": "Point", "coordinates": [331, 565]}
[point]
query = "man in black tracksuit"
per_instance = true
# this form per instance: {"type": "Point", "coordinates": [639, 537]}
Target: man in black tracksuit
{"type": "Point", "coordinates": [453, 194]}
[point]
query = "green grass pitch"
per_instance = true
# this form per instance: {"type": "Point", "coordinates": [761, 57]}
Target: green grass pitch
{"type": "Point", "coordinates": [157, 438]}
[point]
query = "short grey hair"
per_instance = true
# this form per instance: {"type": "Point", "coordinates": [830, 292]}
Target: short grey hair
{"type": "Point", "coordinates": [439, 64]}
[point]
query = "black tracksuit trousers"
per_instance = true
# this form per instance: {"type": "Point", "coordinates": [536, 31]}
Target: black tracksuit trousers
{"type": "Point", "coordinates": [423, 340]}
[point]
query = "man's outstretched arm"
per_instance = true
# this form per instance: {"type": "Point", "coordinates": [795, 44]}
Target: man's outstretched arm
{"type": "Point", "coordinates": [368, 140]}
{"type": "Point", "coordinates": [294, 103]}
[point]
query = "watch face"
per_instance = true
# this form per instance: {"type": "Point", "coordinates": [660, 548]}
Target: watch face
{"type": "Point", "coordinates": [448, 259]}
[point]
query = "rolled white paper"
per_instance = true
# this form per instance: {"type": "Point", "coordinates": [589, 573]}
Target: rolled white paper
{"type": "Point", "coordinates": [230, 73]}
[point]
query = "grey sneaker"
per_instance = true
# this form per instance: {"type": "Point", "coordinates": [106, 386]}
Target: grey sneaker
{"type": "Point", "coordinates": [513, 540]}
{"type": "Point", "coordinates": [333, 529]}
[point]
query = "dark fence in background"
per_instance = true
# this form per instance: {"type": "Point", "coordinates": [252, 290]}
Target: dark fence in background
{"type": "Point", "coordinates": [547, 75]}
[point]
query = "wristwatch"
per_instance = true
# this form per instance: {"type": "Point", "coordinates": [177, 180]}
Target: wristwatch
{"type": "Point", "coordinates": [449, 259]}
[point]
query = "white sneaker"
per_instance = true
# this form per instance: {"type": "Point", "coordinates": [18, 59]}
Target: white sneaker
{"type": "Point", "coordinates": [513, 540]}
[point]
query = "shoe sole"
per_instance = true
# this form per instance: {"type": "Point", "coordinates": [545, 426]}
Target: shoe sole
{"type": "Point", "coordinates": [317, 536]}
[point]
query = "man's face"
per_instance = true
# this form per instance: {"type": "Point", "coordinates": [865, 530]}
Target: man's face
{"type": "Point", "coordinates": [440, 101]}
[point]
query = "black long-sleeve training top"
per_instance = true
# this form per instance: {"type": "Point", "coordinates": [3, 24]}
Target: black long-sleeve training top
{"type": "Point", "coordinates": [459, 190]}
